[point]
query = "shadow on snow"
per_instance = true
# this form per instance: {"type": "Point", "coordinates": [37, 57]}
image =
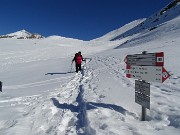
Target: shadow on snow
{"type": "Point", "coordinates": [56, 73]}
{"type": "Point", "coordinates": [81, 108]}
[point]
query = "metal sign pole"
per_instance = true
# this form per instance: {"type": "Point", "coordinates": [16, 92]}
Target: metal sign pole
{"type": "Point", "coordinates": [143, 114]}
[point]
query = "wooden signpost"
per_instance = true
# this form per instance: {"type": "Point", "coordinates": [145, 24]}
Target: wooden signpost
{"type": "Point", "coordinates": [145, 67]}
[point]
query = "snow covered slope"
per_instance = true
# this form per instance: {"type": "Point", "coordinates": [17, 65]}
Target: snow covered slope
{"type": "Point", "coordinates": [113, 34]}
{"type": "Point", "coordinates": [42, 95]}
{"type": "Point", "coordinates": [137, 27]}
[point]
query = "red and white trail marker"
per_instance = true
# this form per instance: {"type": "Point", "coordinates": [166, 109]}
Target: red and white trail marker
{"type": "Point", "coordinates": [145, 67]}
{"type": "Point", "coordinates": [160, 59]}
{"type": "Point", "coordinates": [149, 59]}
{"type": "Point", "coordinates": [147, 73]}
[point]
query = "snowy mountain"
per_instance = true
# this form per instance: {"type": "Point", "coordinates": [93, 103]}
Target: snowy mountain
{"type": "Point", "coordinates": [23, 34]}
{"type": "Point", "coordinates": [42, 94]}
{"type": "Point", "coordinates": [166, 14]}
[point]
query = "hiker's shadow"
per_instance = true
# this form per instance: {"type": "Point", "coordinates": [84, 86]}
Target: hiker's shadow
{"type": "Point", "coordinates": [71, 107]}
{"type": "Point", "coordinates": [56, 73]}
{"type": "Point", "coordinates": [89, 106]}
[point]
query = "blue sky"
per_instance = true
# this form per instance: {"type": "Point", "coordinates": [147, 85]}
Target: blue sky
{"type": "Point", "coordinates": [80, 19]}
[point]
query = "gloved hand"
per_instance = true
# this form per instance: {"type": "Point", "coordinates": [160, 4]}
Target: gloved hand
{"type": "Point", "coordinates": [84, 59]}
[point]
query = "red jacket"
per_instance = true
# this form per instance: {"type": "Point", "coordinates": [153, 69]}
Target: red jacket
{"type": "Point", "coordinates": [78, 58]}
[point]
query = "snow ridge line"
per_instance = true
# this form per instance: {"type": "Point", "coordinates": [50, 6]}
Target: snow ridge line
{"type": "Point", "coordinates": [37, 84]}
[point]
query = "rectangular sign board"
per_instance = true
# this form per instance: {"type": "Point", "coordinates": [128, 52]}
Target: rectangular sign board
{"type": "Point", "coordinates": [142, 93]}
{"type": "Point", "coordinates": [149, 59]}
{"type": "Point", "coordinates": [142, 87]}
{"type": "Point", "coordinates": [147, 73]}
{"type": "Point", "coordinates": [142, 100]}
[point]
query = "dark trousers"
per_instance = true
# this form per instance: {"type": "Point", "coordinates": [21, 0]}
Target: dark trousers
{"type": "Point", "coordinates": [78, 67]}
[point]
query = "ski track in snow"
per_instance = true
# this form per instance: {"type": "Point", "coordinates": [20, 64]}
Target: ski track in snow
{"type": "Point", "coordinates": [37, 84]}
{"type": "Point", "coordinates": [63, 110]}
{"type": "Point", "coordinates": [74, 107]}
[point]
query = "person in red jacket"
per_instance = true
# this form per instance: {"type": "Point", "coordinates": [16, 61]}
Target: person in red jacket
{"type": "Point", "coordinates": [78, 58]}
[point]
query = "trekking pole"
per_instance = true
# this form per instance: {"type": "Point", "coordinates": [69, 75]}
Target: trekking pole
{"type": "Point", "coordinates": [0, 86]}
{"type": "Point", "coordinates": [85, 63]}
{"type": "Point", "coordinates": [89, 59]}
{"type": "Point", "coordinates": [71, 67]}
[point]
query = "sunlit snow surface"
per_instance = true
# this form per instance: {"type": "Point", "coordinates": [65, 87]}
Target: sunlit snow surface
{"type": "Point", "coordinates": [42, 95]}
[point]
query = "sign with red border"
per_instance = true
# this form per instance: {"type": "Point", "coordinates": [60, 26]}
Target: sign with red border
{"type": "Point", "coordinates": [149, 59]}
{"type": "Point", "coordinates": [147, 73]}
